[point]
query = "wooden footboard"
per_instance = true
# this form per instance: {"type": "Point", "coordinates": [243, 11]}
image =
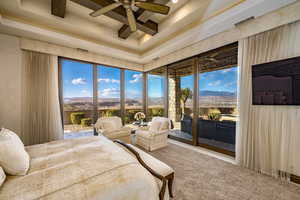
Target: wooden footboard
{"type": "Point", "coordinates": [164, 180]}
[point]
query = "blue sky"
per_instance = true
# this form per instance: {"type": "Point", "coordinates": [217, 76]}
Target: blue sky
{"type": "Point", "coordinates": [77, 81]}
{"type": "Point", "coordinates": [220, 80]}
{"type": "Point", "coordinates": [155, 86]}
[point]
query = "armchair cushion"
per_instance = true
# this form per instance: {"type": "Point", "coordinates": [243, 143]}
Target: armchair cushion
{"type": "Point", "coordinates": [144, 134]}
{"type": "Point", "coordinates": [164, 126]}
{"type": "Point", "coordinates": [155, 126]}
{"type": "Point", "coordinates": [109, 125]}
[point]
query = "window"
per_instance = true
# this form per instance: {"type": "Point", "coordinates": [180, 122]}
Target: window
{"type": "Point", "coordinates": [108, 91]}
{"type": "Point", "coordinates": [133, 94]}
{"type": "Point", "coordinates": [81, 80]}
{"type": "Point", "coordinates": [156, 91]}
{"type": "Point", "coordinates": [77, 80]}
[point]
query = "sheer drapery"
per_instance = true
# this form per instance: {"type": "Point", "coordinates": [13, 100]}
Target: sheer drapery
{"type": "Point", "coordinates": [41, 117]}
{"type": "Point", "coordinates": [268, 138]}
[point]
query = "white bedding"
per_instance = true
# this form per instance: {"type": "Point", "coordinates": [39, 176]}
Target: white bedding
{"type": "Point", "coordinates": [92, 168]}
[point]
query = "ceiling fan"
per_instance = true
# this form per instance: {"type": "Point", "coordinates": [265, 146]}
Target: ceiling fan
{"type": "Point", "coordinates": [128, 5]}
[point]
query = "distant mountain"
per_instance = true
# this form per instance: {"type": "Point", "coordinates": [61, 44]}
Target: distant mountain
{"type": "Point", "coordinates": [217, 93]}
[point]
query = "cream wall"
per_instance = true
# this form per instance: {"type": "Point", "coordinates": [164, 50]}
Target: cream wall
{"type": "Point", "coordinates": [285, 15]}
{"type": "Point", "coordinates": [10, 83]}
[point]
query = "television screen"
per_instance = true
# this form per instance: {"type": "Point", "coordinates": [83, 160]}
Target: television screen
{"type": "Point", "coordinates": [276, 83]}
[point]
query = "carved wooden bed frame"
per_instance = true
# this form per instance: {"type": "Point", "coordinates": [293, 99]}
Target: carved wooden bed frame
{"type": "Point", "coordinates": [165, 179]}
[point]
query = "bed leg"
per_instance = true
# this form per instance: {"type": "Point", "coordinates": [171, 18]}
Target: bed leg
{"type": "Point", "coordinates": [170, 184]}
{"type": "Point", "coordinates": [163, 190]}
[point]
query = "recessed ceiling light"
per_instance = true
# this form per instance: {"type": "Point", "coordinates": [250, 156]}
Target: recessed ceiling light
{"type": "Point", "coordinates": [174, 1]}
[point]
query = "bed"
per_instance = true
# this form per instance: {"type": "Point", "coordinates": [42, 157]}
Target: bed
{"type": "Point", "coordinates": [91, 168]}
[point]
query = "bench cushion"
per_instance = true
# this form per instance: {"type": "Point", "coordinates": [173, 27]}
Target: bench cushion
{"type": "Point", "coordinates": [157, 165]}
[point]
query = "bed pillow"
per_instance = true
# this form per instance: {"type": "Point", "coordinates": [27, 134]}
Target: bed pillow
{"type": "Point", "coordinates": [11, 134]}
{"type": "Point", "coordinates": [13, 158]}
{"type": "Point", "coordinates": [2, 176]}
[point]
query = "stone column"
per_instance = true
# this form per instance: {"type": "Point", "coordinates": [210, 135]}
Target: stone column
{"type": "Point", "coordinates": [174, 99]}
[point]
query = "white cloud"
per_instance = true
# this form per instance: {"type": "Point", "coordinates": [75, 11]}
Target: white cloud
{"type": "Point", "coordinates": [230, 84]}
{"type": "Point", "coordinates": [154, 76]}
{"type": "Point", "coordinates": [79, 81]}
{"type": "Point", "coordinates": [215, 83]}
{"type": "Point", "coordinates": [107, 80]}
{"type": "Point", "coordinates": [115, 81]}
{"type": "Point", "coordinates": [84, 91]}
{"type": "Point", "coordinates": [108, 92]}
{"type": "Point", "coordinates": [224, 71]}
{"type": "Point", "coordinates": [136, 78]}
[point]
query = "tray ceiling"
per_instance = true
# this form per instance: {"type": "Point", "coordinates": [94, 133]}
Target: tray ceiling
{"type": "Point", "coordinates": [33, 19]}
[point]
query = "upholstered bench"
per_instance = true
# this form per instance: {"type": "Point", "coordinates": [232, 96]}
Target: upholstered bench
{"type": "Point", "coordinates": [156, 167]}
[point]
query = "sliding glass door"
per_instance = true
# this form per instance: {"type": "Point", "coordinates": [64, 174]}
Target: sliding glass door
{"type": "Point", "coordinates": [77, 85]}
{"type": "Point", "coordinates": [109, 99]}
{"type": "Point", "coordinates": [218, 114]}
{"type": "Point", "coordinates": [218, 108]}
{"type": "Point", "coordinates": [181, 97]}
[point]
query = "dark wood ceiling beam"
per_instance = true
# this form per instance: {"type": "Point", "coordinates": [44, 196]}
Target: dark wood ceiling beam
{"type": "Point", "coordinates": [118, 14]}
{"type": "Point", "coordinates": [125, 32]}
{"type": "Point", "coordinates": [58, 8]}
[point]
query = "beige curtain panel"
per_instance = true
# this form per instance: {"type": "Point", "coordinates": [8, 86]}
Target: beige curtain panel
{"type": "Point", "coordinates": [41, 117]}
{"type": "Point", "coordinates": [268, 138]}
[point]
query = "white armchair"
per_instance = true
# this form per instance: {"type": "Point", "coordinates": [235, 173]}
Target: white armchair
{"type": "Point", "coordinates": [155, 136]}
{"type": "Point", "coordinates": [112, 128]}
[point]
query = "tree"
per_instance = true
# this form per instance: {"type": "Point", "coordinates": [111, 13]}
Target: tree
{"type": "Point", "coordinates": [186, 93]}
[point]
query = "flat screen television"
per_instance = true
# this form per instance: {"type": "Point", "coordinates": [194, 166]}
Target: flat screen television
{"type": "Point", "coordinates": [276, 83]}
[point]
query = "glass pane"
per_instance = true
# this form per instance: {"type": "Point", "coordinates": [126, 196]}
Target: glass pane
{"type": "Point", "coordinates": [156, 88]}
{"type": "Point", "coordinates": [108, 91]}
{"type": "Point", "coordinates": [218, 108]}
{"type": "Point", "coordinates": [77, 78]}
{"type": "Point", "coordinates": [133, 94]}
{"type": "Point", "coordinates": [181, 86]}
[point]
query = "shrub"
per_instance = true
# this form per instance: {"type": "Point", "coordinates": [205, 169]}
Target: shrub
{"type": "Point", "coordinates": [86, 122]}
{"type": "Point", "coordinates": [156, 112]}
{"type": "Point", "coordinates": [214, 115]}
{"type": "Point", "coordinates": [76, 117]}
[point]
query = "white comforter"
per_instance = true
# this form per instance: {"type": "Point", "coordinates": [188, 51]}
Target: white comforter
{"type": "Point", "coordinates": [92, 168]}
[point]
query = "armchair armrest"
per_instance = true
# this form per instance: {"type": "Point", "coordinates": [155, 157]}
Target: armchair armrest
{"type": "Point", "coordinates": [161, 132]}
{"type": "Point", "coordinates": [126, 128]}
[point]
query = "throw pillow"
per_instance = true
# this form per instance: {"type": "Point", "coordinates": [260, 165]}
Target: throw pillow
{"type": "Point", "coordinates": [2, 176]}
{"type": "Point", "coordinates": [13, 157]}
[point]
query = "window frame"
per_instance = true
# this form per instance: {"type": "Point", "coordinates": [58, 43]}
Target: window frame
{"type": "Point", "coordinates": [95, 87]}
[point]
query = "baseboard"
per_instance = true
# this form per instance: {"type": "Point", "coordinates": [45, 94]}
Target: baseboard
{"type": "Point", "coordinates": [295, 179]}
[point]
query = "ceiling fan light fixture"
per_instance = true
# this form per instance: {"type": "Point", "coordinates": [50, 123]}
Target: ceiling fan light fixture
{"type": "Point", "coordinates": [174, 1]}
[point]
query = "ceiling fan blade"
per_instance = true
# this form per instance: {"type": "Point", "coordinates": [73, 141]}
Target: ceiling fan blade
{"type": "Point", "coordinates": [131, 20]}
{"type": "Point", "coordinates": [105, 9]}
{"type": "Point", "coordinates": [214, 54]}
{"type": "Point", "coordinates": [153, 7]}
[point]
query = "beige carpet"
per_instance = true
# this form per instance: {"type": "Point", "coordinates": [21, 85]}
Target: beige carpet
{"type": "Point", "coordinates": [199, 177]}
